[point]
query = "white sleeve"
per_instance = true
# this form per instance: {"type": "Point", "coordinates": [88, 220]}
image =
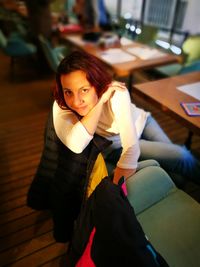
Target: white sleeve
{"type": "Point", "coordinates": [70, 130]}
{"type": "Point", "coordinates": [121, 107]}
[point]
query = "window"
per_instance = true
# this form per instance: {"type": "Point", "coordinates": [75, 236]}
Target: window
{"type": "Point", "coordinates": [160, 13]}
{"type": "Point", "coordinates": [165, 13]}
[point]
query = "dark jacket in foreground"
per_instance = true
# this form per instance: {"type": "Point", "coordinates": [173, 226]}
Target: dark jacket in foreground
{"type": "Point", "coordinates": [60, 181]}
{"type": "Point", "coordinates": [119, 239]}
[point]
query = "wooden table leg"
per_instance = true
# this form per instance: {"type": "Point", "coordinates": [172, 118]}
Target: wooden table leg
{"type": "Point", "coordinates": [188, 140]}
{"type": "Point", "coordinates": [130, 82]}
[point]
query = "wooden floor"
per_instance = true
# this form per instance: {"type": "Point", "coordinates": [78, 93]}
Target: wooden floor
{"type": "Point", "coordinates": [26, 235]}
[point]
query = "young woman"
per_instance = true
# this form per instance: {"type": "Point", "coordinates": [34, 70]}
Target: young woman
{"type": "Point", "coordinates": [93, 116]}
{"type": "Point", "coordinates": [87, 101]}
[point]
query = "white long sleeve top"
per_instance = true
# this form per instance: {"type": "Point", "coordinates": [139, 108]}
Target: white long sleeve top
{"type": "Point", "coordinates": [120, 121]}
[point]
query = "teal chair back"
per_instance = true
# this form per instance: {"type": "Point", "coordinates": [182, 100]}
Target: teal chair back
{"type": "Point", "coordinates": [3, 40]}
{"type": "Point", "coordinates": [195, 66]}
{"type": "Point", "coordinates": [50, 54]}
{"type": "Point", "coordinates": [53, 54]}
{"type": "Point", "coordinates": [15, 47]}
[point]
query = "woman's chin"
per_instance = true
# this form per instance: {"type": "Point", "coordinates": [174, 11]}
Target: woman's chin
{"type": "Point", "coordinates": [82, 112]}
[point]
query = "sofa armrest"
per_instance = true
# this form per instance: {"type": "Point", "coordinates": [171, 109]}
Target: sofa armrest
{"type": "Point", "coordinates": [141, 164]}
{"type": "Point", "coordinates": [148, 186]}
{"type": "Point", "coordinates": [146, 163]}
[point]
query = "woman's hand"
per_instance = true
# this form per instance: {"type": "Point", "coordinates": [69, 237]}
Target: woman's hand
{"type": "Point", "coordinates": [119, 172]}
{"type": "Point", "coordinates": [114, 86]}
{"type": "Point", "coordinates": [91, 119]}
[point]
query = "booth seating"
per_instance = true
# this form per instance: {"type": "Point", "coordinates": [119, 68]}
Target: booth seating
{"type": "Point", "coordinates": [169, 217]}
{"type": "Point", "coordinates": [191, 58]}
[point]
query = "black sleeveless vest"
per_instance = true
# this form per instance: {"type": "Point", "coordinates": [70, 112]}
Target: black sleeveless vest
{"type": "Point", "coordinates": [61, 179]}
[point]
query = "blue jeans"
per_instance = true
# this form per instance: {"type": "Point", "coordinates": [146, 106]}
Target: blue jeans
{"type": "Point", "coordinates": [175, 159]}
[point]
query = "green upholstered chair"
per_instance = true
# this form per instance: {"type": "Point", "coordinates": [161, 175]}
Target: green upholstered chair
{"type": "Point", "coordinates": [195, 66]}
{"type": "Point", "coordinates": [191, 54]}
{"type": "Point", "coordinates": [13, 22]}
{"type": "Point", "coordinates": [3, 40]}
{"type": "Point", "coordinates": [16, 47]}
{"type": "Point", "coordinates": [53, 55]}
{"type": "Point", "coordinates": [169, 70]}
{"type": "Point", "coordinates": [170, 218]}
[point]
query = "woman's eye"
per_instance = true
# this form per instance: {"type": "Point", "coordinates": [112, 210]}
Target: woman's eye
{"type": "Point", "coordinates": [68, 93]}
{"type": "Point", "coordinates": [85, 90]}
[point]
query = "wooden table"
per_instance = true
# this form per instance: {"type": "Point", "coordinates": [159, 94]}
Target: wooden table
{"type": "Point", "coordinates": [164, 94]}
{"type": "Point", "coordinates": [124, 69]}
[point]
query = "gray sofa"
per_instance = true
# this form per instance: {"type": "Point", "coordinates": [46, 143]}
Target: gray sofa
{"type": "Point", "coordinates": [170, 217]}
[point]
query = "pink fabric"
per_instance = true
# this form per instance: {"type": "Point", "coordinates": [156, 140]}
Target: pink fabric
{"type": "Point", "coordinates": [124, 189]}
{"type": "Point", "coordinates": [86, 260]}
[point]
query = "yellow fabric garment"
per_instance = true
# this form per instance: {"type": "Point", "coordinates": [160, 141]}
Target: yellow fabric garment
{"type": "Point", "coordinates": [99, 171]}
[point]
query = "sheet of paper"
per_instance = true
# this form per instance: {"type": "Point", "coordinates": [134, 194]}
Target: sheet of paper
{"type": "Point", "coordinates": [192, 89]}
{"type": "Point", "coordinates": [126, 41]}
{"type": "Point", "coordinates": [145, 52]}
{"type": "Point", "coordinates": [116, 55]}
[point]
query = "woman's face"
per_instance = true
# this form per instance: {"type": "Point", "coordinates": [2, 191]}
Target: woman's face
{"type": "Point", "coordinates": [79, 95]}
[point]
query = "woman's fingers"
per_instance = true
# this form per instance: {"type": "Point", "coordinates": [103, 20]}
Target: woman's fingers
{"type": "Point", "coordinates": [114, 86]}
{"type": "Point", "coordinates": [118, 85]}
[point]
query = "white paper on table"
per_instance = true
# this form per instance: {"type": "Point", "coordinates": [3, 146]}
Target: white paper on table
{"type": "Point", "coordinates": [116, 55]}
{"type": "Point", "coordinates": [126, 41]}
{"type": "Point", "coordinates": [145, 52]}
{"type": "Point", "coordinates": [192, 89]}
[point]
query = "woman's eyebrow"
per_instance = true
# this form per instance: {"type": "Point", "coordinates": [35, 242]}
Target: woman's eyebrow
{"type": "Point", "coordinates": [82, 87]}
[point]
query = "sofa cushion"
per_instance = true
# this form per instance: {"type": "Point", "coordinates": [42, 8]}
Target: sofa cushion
{"type": "Point", "coordinates": [169, 70]}
{"type": "Point", "coordinates": [148, 186]}
{"type": "Point", "coordinates": [141, 164]}
{"type": "Point", "coordinates": [173, 227]}
{"type": "Point", "coordinates": [195, 66]}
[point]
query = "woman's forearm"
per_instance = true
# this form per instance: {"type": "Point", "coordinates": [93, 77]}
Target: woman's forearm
{"type": "Point", "coordinates": [91, 120]}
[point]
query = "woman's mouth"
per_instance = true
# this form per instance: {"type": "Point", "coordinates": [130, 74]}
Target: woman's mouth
{"type": "Point", "coordinates": [80, 109]}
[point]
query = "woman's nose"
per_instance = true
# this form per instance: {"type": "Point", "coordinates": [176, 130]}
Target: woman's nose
{"type": "Point", "coordinates": [77, 100]}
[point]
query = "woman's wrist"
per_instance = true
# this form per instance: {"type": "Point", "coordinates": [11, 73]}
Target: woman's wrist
{"type": "Point", "coordinates": [119, 172]}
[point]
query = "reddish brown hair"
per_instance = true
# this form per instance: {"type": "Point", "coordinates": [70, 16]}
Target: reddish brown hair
{"type": "Point", "coordinates": [95, 70]}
